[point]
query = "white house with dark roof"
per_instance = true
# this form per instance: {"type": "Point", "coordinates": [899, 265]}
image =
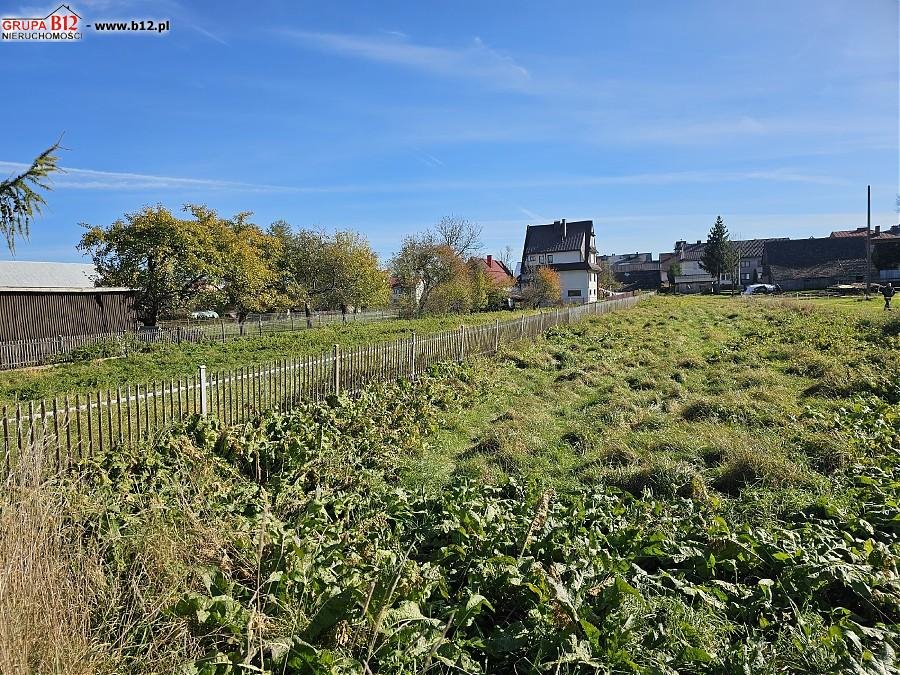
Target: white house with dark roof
{"type": "Point", "coordinates": [568, 248]}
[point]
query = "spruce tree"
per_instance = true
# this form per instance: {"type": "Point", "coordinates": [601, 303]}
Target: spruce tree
{"type": "Point", "coordinates": [717, 253]}
{"type": "Point", "coordinates": [20, 200]}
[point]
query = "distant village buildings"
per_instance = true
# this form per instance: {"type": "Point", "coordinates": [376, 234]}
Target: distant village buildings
{"type": "Point", "coordinates": [793, 264]}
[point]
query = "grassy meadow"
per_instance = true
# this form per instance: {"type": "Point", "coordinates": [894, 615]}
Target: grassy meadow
{"type": "Point", "coordinates": [696, 485]}
{"type": "Point", "coordinates": [161, 362]}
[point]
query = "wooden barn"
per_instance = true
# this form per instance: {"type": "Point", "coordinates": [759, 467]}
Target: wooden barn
{"type": "Point", "coordinates": [47, 299]}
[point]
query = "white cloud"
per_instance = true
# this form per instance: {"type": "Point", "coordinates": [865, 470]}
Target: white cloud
{"type": "Point", "coordinates": [473, 61]}
{"type": "Point", "coordinates": [90, 179]}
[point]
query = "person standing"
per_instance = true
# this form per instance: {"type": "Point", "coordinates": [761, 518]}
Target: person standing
{"type": "Point", "coordinates": [888, 292]}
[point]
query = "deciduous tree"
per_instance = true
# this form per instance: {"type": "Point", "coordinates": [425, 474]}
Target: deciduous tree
{"type": "Point", "coordinates": [168, 260]}
{"type": "Point", "coordinates": [606, 278]}
{"type": "Point", "coordinates": [460, 234]}
{"type": "Point", "coordinates": [672, 274]}
{"type": "Point", "coordinates": [422, 262]}
{"type": "Point", "coordinates": [545, 289]}
{"type": "Point", "coordinates": [331, 271]}
{"type": "Point", "coordinates": [243, 276]}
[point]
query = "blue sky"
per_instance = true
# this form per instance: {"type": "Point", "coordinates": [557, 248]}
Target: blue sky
{"type": "Point", "coordinates": [650, 118]}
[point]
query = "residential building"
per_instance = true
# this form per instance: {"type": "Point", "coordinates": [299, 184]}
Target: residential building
{"type": "Point", "coordinates": [893, 231]}
{"type": "Point", "coordinates": [399, 291]}
{"type": "Point", "coordinates": [804, 264]}
{"type": "Point", "coordinates": [634, 271]}
{"type": "Point", "coordinates": [694, 278]}
{"type": "Point", "coordinates": [496, 271]}
{"type": "Point", "coordinates": [885, 249]}
{"type": "Point", "coordinates": [48, 299]}
{"type": "Point", "coordinates": [629, 262]}
{"type": "Point", "coordinates": [568, 248]}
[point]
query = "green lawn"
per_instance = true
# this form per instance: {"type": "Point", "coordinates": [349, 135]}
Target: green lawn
{"type": "Point", "coordinates": [164, 361]}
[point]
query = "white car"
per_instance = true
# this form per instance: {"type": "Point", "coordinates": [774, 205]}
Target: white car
{"type": "Point", "coordinates": [204, 314]}
{"type": "Point", "coordinates": [759, 289]}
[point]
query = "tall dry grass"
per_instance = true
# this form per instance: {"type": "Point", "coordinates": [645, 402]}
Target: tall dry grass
{"type": "Point", "coordinates": [44, 596]}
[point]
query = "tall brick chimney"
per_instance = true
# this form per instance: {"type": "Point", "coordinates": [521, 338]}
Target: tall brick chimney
{"type": "Point", "coordinates": [489, 259]}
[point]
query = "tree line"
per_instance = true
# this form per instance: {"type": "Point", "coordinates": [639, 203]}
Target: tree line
{"type": "Point", "coordinates": [231, 264]}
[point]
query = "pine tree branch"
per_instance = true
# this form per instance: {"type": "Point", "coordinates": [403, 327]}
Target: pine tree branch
{"type": "Point", "coordinates": [20, 200]}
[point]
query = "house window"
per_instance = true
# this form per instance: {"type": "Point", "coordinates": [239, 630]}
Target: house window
{"type": "Point", "coordinates": [541, 259]}
{"type": "Point", "coordinates": [549, 258]}
{"type": "Point", "coordinates": [574, 293]}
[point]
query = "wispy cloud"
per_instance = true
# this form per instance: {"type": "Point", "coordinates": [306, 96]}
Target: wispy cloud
{"type": "Point", "coordinates": [212, 36]}
{"type": "Point", "coordinates": [532, 215]}
{"type": "Point", "coordinates": [427, 158]}
{"type": "Point", "coordinates": [90, 179]}
{"type": "Point", "coordinates": [474, 60]}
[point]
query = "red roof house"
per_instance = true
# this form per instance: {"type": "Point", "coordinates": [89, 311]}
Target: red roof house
{"type": "Point", "coordinates": [496, 271]}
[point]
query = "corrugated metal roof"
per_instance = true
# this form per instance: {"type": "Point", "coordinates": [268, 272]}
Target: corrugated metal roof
{"type": "Point", "coordinates": [25, 274]}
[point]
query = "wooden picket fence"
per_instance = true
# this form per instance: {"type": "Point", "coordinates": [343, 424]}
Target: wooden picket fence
{"type": "Point", "coordinates": [40, 351]}
{"type": "Point", "coordinates": [73, 427]}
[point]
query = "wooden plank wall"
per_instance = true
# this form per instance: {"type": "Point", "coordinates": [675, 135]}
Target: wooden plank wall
{"type": "Point", "coordinates": [48, 314]}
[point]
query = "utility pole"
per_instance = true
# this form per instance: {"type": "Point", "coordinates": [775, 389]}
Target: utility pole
{"type": "Point", "coordinates": [868, 238]}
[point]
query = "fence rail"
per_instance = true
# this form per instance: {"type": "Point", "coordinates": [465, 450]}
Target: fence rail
{"type": "Point", "coordinates": [24, 353]}
{"type": "Point", "coordinates": [72, 427]}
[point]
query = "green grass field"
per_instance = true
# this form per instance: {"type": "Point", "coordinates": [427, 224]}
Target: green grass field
{"type": "Point", "coordinates": [696, 485]}
{"type": "Point", "coordinates": [161, 362]}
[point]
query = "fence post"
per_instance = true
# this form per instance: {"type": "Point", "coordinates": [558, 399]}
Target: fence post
{"type": "Point", "coordinates": [461, 339]}
{"type": "Point", "coordinates": [59, 344]}
{"type": "Point", "coordinates": [259, 322]}
{"type": "Point", "coordinates": [336, 355]}
{"type": "Point", "coordinates": [203, 391]}
{"type": "Point", "coordinates": [412, 354]}
{"type": "Point", "coordinates": [522, 327]}
{"type": "Point", "coordinates": [497, 335]}
{"type": "Point", "coordinates": [223, 330]}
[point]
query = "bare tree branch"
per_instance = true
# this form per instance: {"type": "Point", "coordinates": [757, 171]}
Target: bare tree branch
{"type": "Point", "coordinates": [460, 234]}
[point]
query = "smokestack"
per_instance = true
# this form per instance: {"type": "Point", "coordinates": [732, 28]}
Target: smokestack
{"type": "Point", "coordinates": [878, 229]}
{"type": "Point", "coordinates": [563, 227]}
{"type": "Point", "coordinates": [489, 259]}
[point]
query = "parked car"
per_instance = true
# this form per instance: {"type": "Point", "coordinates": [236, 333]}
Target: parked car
{"type": "Point", "coordinates": [204, 314]}
{"type": "Point", "coordinates": [760, 289]}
